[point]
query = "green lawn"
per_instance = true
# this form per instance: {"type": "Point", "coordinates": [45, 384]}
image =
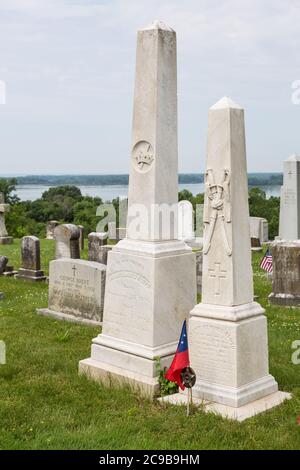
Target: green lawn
{"type": "Point", "coordinates": [44, 404]}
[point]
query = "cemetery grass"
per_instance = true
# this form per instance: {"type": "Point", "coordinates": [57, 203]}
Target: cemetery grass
{"type": "Point", "coordinates": [44, 404]}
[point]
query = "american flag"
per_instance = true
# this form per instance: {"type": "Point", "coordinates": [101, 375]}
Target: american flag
{"type": "Point", "coordinates": [267, 262]}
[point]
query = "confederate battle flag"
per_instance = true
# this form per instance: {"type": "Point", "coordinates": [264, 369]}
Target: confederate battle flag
{"type": "Point", "coordinates": [181, 359]}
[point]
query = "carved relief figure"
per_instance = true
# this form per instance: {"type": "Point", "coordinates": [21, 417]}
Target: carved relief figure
{"type": "Point", "coordinates": [217, 207]}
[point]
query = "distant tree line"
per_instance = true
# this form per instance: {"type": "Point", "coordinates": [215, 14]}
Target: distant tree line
{"type": "Point", "coordinates": [67, 205]}
{"type": "Point", "coordinates": [254, 179]}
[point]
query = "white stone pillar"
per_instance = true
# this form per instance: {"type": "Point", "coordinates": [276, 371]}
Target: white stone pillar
{"type": "Point", "coordinates": [228, 331]}
{"type": "Point", "coordinates": [151, 276]}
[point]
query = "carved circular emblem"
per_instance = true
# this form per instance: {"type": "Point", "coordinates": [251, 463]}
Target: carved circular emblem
{"type": "Point", "coordinates": [188, 377]}
{"type": "Point", "coordinates": [143, 156]}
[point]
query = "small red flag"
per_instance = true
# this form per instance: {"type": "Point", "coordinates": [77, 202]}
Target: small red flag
{"type": "Point", "coordinates": [181, 359]}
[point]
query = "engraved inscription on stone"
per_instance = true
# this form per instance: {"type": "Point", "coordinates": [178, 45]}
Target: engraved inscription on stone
{"type": "Point", "coordinates": [215, 354]}
{"type": "Point", "coordinates": [143, 156]}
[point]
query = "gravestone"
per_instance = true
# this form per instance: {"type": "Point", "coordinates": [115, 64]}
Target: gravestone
{"type": "Point", "coordinates": [289, 225]}
{"type": "Point", "coordinates": [259, 229]}
{"type": "Point", "coordinates": [4, 238]}
{"type": "Point", "coordinates": [97, 248]}
{"type": "Point", "coordinates": [228, 331]}
{"type": "Point", "coordinates": [76, 291]}
{"type": "Point", "coordinates": [255, 244]}
{"type": "Point", "coordinates": [31, 260]}
{"type": "Point", "coordinates": [112, 230]}
{"type": "Point", "coordinates": [67, 241]}
{"type": "Point", "coordinates": [186, 221]}
{"type": "Point", "coordinates": [51, 226]}
{"type": "Point", "coordinates": [286, 274]}
{"type": "Point", "coordinates": [3, 264]}
{"type": "Point", "coordinates": [81, 237]}
{"type": "Point", "coordinates": [151, 276]}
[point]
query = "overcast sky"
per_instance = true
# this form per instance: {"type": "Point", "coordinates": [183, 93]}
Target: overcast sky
{"type": "Point", "coordinates": [68, 66]}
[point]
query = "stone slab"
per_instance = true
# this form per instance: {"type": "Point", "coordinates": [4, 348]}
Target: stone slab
{"type": "Point", "coordinates": [228, 412]}
{"type": "Point", "coordinates": [46, 312]}
{"type": "Point", "coordinates": [76, 290]}
{"type": "Point", "coordinates": [30, 275]}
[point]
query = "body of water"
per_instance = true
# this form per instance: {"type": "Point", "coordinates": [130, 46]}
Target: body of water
{"type": "Point", "coordinates": [109, 192]}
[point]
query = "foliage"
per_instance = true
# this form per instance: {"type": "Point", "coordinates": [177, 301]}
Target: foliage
{"type": "Point", "coordinates": [166, 387]}
{"type": "Point", "coordinates": [260, 206]}
{"type": "Point", "coordinates": [7, 187]}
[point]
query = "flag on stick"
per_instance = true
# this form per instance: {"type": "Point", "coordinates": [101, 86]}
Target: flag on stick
{"type": "Point", "coordinates": [180, 361]}
{"type": "Point", "coordinates": [267, 262]}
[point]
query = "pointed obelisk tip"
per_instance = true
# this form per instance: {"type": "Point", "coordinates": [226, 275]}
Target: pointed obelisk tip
{"type": "Point", "coordinates": [158, 25]}
{"type": "Point", "coordinates": [226, 103]}
{"type": "Point", "coordinates": [293, 158]}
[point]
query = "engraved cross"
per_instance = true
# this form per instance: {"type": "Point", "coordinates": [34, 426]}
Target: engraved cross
{"type": "Point", "coordinates": [217, 274]}
{"type": "Point", "coordinates": [74, 270]}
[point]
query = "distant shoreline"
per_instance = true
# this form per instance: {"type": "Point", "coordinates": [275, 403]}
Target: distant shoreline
{"type": "Point", "coordinates": [254, 179]}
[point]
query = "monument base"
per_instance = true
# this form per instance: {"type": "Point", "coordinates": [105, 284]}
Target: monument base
{"type": "Point", "coordinates": [30, 275]}
{"type": "Point", "coordinates": [46, 312]}
{"type": "Point", "coordinates": [238, 414]}
{"type": "Point", "coordinates": [229, 353]}
{"type": "Point", "coordinates": [285, 300]}
{"type": "Point", "coordinates": [6, 240]}
{"type": "Point", "coordinates": [150, 288]}
{"type": "Point", "coordinates": [109, 375]}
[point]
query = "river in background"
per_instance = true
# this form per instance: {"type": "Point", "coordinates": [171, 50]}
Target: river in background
{"type": "Point", "coordinates": [109, 192]}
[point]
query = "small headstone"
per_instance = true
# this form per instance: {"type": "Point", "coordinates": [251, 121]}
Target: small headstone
{"type": "Point", "coordinates": [286, 274]}
{"type": "Point", "coordinates": [96, 243]}
{"type": "Point", "coordinates": [4, 238]}
{"type": "Point", "coordinates": [259, 229]}
{"type": "Point", "coordinates": [81, 238]}
{"type": "Point", "coordinates": [51, 225]}
{"type": "Point", "coordinates": [185, 221]}
{"type": "Point", "coordinates": [255, 244]}
{"type": "Point", "coordinates": [289, 226]}
{"type": "Point", "coordinates": [67, 241]}
{"type": "Point", "coordinates": [76, 291]}
{"type": "Point", "coordinates": [3, 264]}
{"type": "Point", "coordinates": [31, 260]}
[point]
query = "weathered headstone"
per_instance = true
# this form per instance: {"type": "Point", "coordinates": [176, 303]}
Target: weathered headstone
{"type": "Point", "coordinates": [151, 276]}
{"type": "Point", "coordinates": [81, 237]}
{"type": "Point", "coordinates": [51, 226]}
{"type": "Point", "coordinates": [3, 264]}
{"type": "Point", "coordinates": [31, 260]}
{"type": "Point", "coordinates": [286, 273]}
{"type": "Point", "coordinates": [228, 330]}
{"type": "Point", "coordinates": [255, 244]}
{"type": "Point", "coordinates": [185, 221]}
{"type": "Point", "coordinates": [97, 248]}
{"type": "Point", "coordinates": [259, 229]}
{"type": "Point", "coordinates": [76, 291]}
{"type": "Point", "coordinates": [4, 238]}
{"type": "Point", "coordinates": [67, 241]}
{"type": "Point", "coordinates": [289, 226]}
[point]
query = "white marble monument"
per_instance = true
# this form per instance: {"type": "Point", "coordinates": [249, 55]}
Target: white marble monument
{"type": "Point", "coordinates": [151, 275]}
{"type": "Point", "coordinates": [289, 225]}
{"type": "Point", "coordinates": [228, 331]}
